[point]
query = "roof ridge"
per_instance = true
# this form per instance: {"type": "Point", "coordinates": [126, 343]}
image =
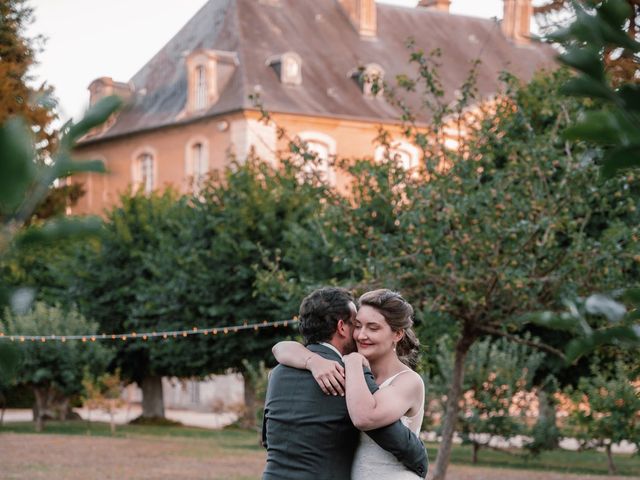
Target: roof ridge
{"type": "Point", "coordinates": [194, 18]}
{"type": "Point", "coordinates": [431, 11]}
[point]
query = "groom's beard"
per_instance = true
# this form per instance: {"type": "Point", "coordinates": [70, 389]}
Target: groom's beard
{"type": "Point", "coordinates": [350, 347]}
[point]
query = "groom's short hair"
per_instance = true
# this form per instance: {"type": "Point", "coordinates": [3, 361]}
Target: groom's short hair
{"type": "Point", "coordinates": [320, 312]}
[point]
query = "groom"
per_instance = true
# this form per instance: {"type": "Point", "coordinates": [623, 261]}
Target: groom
{"type": "Point", "coordinates": [309, 435]}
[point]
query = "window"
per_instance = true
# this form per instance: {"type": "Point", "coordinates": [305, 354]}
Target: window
{"type": "Point", "coordinates": [288, 67]}
{"type": "Point", "coordinates": [324, 147]}
{"type": "Point", "coordinates": [197, 164]}
{"type": "Point", "coordinates": [145, 172]}
{"type": "Point", "coordinates": [291, 68]}
{"type": "Point", "coordinates": [372, 80]}
{"type": "Point", "coordinates": [400, 151]}
{"type": "Point", "coordinates": [201, 87]}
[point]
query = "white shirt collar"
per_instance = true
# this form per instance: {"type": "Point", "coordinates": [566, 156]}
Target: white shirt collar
{"type": "Point", "coordinates": [328, 345]}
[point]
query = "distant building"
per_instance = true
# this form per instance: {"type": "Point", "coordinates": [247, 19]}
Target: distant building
{"type": "Point", "coordinates": [311, 62]}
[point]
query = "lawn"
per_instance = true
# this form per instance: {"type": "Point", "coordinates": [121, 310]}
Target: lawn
{"type": "Point", "coordinates": [75, 450]}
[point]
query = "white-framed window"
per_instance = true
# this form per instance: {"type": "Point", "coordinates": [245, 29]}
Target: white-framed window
{"type": "Point", "coordinates": [324, 147]}
{"type": "Point", "coordinates": [291, 66]}
{"type": "Point", "coordinates": [200, 87]}
{"type": "Point", "coordinates": [147, 177]}
{"type": "Point", "coordinates": [144, 170]}
{"type": "Point", "coordinates": [197, 163]}
{"type": "Point", "coordinates": [401, 151]}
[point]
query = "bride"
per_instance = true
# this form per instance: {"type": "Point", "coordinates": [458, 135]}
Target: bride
{"type": "Point", "coordinates": [388, 345]}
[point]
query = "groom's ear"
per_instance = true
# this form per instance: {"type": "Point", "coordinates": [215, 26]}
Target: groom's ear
{"type": "Point", "coordinates": [342, 328]}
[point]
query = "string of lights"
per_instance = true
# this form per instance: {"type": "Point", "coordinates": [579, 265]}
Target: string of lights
{"type": "Point", "coordinates": [165, 335]}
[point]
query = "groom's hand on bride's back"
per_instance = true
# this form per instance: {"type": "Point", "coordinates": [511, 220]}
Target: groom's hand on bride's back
{"type": "Point", "coordinates": [328, 373]}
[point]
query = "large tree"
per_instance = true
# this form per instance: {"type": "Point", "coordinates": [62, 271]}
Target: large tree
{"type": "Point", "coordinates": [52, 368]}
{"type": "Point", "coordinates": [247, 222]}
{"type": "Point", "coordinates": [133, 280]}
{"type": "Point", "coordinates": [35, 104]}
{"type": "Point", "coordinates": [506, 229]}
{"type": "Point", "coordinates": [172, 263]}
{"type": "Point", "coordinates": [17, 51]}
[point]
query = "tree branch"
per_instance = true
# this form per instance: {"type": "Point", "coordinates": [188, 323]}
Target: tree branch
{"type": "Point", "coordinates": [522, 341]}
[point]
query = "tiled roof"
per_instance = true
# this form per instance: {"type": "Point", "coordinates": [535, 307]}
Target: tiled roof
{"type": "Point", "coordinates": [330, 48]}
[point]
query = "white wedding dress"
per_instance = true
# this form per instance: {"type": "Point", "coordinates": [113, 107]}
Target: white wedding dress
{"type": "Point", "coordinates": [373, 462]}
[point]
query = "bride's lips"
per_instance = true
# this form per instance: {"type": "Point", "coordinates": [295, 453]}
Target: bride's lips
{"type": "Point", "coordinates": [364, 345]}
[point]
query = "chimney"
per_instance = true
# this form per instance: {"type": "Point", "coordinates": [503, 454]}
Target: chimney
{"type": "Point", "coordinates": [516, 20]}
{"type": "Point", "coordinates": [362, 15]}
{"type": "Point", "coordinates": [105, 86]}
{"type": "Point", "coordinates": [441, 5]}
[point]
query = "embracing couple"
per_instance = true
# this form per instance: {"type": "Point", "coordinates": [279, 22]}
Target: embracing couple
{"type": "Point", "coordinates": [348, 405]}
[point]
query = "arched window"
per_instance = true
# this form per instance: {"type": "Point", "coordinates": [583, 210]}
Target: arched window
{"type": "Point", "coordinates": [401, 151]}
{"type": "Point", "coordinates": [144, 172]}
{"type": "Point", "coordinates": [197, 163]}
{"type": "Point", "coordinates": [200, 87]}
{"type": "Point", "coordinates": [324, 147]}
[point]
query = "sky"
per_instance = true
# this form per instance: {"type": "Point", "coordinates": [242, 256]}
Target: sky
{"type": "Point", "coordinates": [87, 39]}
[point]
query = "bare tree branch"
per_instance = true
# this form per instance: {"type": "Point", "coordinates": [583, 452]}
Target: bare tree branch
{"type": "Point", "coordinates": [522, 341]}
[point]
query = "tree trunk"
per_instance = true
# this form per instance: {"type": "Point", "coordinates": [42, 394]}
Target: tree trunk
{"type": "Point", "coordinates": [3, 402]}
{"type": "Point", "coordinates": [547, 420]}
{"type": "Point", "coordinates": [152, 398]}
{"type": "Point", "coordinates": [41, 408]}
{"type": "Point", "coordinates": [60, 407]}
{"type": "Point", "coordinates": [112, 422]}
{"type": "Point", "coordinates": [611, 465]}
{"type": "Point", "coordinates": [476, 448]}
{"type": "Point", "coordinates": [452, 407]}
{"type": "Point", "coordinates": [248, 419]}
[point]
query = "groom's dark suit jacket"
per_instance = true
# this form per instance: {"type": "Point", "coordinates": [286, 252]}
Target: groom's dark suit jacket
{"type": "Point", "coordinates": [309, 435]}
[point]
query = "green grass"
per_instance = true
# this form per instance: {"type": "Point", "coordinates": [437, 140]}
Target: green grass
{"type": "Point", "coordinates": [233, 440]}
{"type": "Point", "coordinates": [565, 461]}
{"type": "Point", "coordinates": [229, 435]}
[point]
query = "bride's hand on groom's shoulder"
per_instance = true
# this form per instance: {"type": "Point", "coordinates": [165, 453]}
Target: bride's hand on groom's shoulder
{"type": "Point", "coordinates": [328, 373]}
{"type": "Point", "coordinates": [356, 357]}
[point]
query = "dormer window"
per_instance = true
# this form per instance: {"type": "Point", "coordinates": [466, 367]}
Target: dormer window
{"type": "Point", "coordinates": [208, 72]}
{"type": "Point", "coordinates": [372, 80]}
{"type": "Point", "coordinates": [201, 87]}
{"type": "Point", "coordinates": [288, 66]}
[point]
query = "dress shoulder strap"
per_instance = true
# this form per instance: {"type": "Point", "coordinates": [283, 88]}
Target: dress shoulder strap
{"type": "Point", "coordinates": [391, 378]}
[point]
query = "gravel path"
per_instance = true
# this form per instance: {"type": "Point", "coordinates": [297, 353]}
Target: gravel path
{"type": "Point", "coordinates": [65, 457]}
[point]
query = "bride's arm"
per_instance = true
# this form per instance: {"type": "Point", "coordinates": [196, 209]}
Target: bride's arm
{"type": "Point", "coordinates": [328, 373]}
{"type": "Point", "coordinates": [369, 411]}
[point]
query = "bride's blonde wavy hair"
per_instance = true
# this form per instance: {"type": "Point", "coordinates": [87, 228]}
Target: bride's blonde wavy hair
{"type": "Point", "coordinates": [398, 313]}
